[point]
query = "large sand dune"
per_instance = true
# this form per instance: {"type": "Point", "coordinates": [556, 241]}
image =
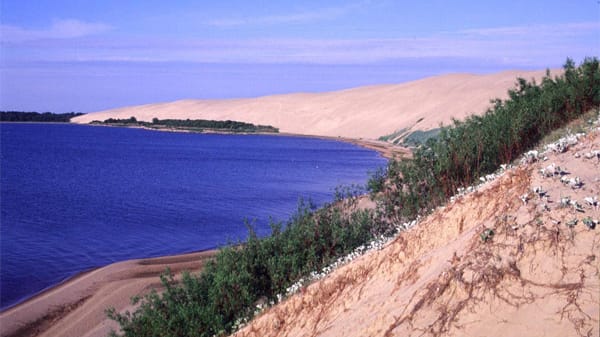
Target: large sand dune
{"type": "Point", "coordinates": [364, 112]}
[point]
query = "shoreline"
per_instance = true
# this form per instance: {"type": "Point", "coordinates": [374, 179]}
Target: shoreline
{"type": "Point", "coordinates": [385, 149]}
{"type": "Point", "coordinates": [76, 306]}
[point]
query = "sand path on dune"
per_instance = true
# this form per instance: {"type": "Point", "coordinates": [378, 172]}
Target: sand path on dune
{"type": "Point", "coordinates": [76, 307]}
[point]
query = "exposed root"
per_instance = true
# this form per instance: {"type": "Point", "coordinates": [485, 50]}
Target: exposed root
{"type": "Point", "coordinates": [443, 278]}
{"type": "Point", "coordinates": [488, 270]}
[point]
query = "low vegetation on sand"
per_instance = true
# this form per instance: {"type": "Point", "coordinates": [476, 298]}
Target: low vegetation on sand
{"type": "Point", "coordinates": [196, 125]}
{"type": "Point", "coordinates": [243, 277]}
{"type": "Point", "coordinates": [469, 149]}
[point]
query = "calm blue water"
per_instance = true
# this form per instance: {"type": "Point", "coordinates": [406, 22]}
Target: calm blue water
{"type": "Point", "coordinates": [76, 197]}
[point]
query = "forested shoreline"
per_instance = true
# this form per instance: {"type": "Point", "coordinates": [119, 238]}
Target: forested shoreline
{"type": "Point", "coordinates": [195, 125]}
{"type": "Point", "coordinates": [30, 116]}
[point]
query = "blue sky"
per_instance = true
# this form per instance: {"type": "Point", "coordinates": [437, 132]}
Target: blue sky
{"type": "Point", "coordinates": [90, 55]}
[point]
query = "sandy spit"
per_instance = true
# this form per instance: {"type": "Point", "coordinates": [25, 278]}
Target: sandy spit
{"type": "Point", "coordinates": [385, 149]}
{"type": "Point", "coordinates": [76, 307]}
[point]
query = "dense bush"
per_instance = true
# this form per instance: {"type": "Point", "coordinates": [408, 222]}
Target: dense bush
{"type": "Point", "coordinates": [130, 120]}
{"type": "Point", "coordinates": [477, 146]}
{"type": "Point", "coordinates": [194, 124]}
{"type": "Point", "coordinates": [230, 285]}
{"type": "Point", "coordinates": [210, 124]}
{"type": "Point", "coordinates": [242, 275]}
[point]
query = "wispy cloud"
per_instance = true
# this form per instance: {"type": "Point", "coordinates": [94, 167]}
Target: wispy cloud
{"type": "Point", "coordinates": [520, 46]}
{"type": "Point", "coordinates": [60, 29]}
{"type": "Point", "coordinates": [317, 14]}
{"type": "Point", "coordinates": [532, 31]}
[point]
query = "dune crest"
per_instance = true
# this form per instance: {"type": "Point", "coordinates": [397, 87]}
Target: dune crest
{"type": "Point", "coordinates": [363, 112]}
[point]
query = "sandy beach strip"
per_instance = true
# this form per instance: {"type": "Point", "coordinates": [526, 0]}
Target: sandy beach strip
{"type": "Point", "coordinates": [385, 149]}
{"type": "Point", "coordinates": [76, 307]}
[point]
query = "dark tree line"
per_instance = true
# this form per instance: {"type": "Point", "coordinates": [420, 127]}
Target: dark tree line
{"type": "Point", "coordinates": [212, 124]}
{"type": "Point", "coordinates": [22, 116]}
{"type": "Point", "coordinates": [194, 124]}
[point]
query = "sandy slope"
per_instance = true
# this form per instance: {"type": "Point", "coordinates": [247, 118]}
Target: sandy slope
{"type": "Point", "coordinates": [537, 277]}
{"type": "Point", "coordinates": [364, 112]}
{"type": "Point", "coordinates": [76, 308]}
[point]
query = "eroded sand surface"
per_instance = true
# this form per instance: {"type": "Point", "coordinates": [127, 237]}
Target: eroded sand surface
{"type": "Point", "coordinates": [537, 276]}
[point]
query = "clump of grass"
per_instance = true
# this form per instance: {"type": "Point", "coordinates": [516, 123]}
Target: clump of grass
{"type": "Point", "coordinates": [487, 235]}
{"type": "Point", "coordinates": [394, 135]}
{"type": "Point", "coordinates": [579, 125]}
{"type": "Point", "coordinates": [419, 137]}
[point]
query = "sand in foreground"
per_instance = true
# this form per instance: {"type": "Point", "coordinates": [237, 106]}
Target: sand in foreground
{"type": "Point", "coordinates": [76, 307]}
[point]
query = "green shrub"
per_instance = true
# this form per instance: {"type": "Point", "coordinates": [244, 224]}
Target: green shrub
{"type": "Point", "coordinates": [240, 275]}
{"type": "Point", "coordinates": [196, 125]}
{"type": "Point", "coordinates": [468, 149]}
